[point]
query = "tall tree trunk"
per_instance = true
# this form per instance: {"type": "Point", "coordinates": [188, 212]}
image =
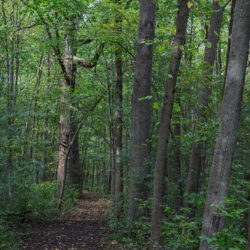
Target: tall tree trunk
{"type": "Point", "coordinates": [219, 180]}
{"type": "Point", "coordinates": [11, 50]}
{"type": "Point", "coordinates": [35, 100]}
{"type": "Point", "coordinates": [140, 131]}
{"type": "Point", "coordinates": [118, 113]}
{"type": "Point", "coordinates": [247, 178]}
{"type": "Point", "coordinates": [176, 172]}
{"type": "Point", "coordinates": [193, 179]}
{"type": "Point", "coordinates": [166, 114]}
{"type": "Point", "coordinates": [229, 41]}
{"type": "Point", "coordinates": [9, 94]}
{"type": "Point", "coordinates": [46, 126]}
{"type": "Point", "coordinates": [111, 142]}
{"type": "Point", "coordinates": [248, 223]}
{"type": "Point", "coordinates": [63, 134]}
{"type": "Point", "coordinates": [68, 123]}
{"type": "Point", "coordinates": [74, 167]}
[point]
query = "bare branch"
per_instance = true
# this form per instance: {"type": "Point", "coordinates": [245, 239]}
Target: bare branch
{"type": "Point", "coordinates": [84, 41]}
{"type": "Point", "coordinates": [124, 48]}
{"type": "Point", "coordinates": [21, 28]}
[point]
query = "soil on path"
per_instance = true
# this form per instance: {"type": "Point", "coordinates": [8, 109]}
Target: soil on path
{"type": "Point", "coordinates": [84, 227]}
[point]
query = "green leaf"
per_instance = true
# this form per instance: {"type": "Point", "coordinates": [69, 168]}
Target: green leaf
{"type": "Point", "coordinates": [209, 45]}
{"type": "Point", "coordinates": [161, 48]}
{"type": "Point", "coordinates": [156, 105]}
{"type": "Point", "coordinates": [177, 107]}
{"type": "Point", "coordinates": [145, 98]}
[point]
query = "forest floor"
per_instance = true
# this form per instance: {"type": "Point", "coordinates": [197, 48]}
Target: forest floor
{"type": "Point", "coordinates": [84, 227]}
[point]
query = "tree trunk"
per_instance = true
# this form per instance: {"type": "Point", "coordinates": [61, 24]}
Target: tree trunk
{"type": "Point", "coordinates": [248, 222]}
{"type": "Point", "coordinates": [219, 180]}
{"type": "Point", "coordinates": [68, 123]}
{"type": "Point", "coordinates": [193, 179]}
{"type": "Point", "coordinates": [166, 114]}
{"type": "Point", "coordinates": [176, 172]}
{"type": "Point", "coordinates": [74, 167]}
{"type": "Point", "coordinates": [229, 40]}
{"type": "Point", "coordinates": [140, 131]}
{"type": "Point", "coordinates": [111, 144]}
{"type": "Point", "coordinates": [118, 114]}
{"type": "Point", "coordinates": [63, 135]}
{"type": "Point", "coordinates": [46, 126]}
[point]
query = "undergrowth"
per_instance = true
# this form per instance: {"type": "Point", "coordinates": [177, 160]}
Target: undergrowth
{"type": "Point", "coordinates": [30, 204]}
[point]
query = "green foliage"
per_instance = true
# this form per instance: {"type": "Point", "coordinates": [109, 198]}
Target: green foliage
{"type": "Point", "coordinates": [180, 232]}
{"type": "Point", "coordinates": [29, 202]}
{"type": "Point", "coordinates": [234, 235]}
{"type": "Point", "coordinates": [42, 200]}
{"type": "Point", "coordinates": [196, 200]}
{"type": "Point", "coordinates": [8, 238]}
{"type": "Point", "coordinates": [130, 233]}
{"type": "Point", "coordinates": [227, 239]}
{"type": "Point", "coordinates": [70, 197]}
{"type": "Point", "coordinates": [30, 113]}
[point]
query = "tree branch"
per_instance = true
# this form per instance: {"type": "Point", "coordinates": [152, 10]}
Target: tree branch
{"type": "Point", "coordinates": [124, 48]}
{"type": "Point", "coordinates": [21, 28]}
{"type": "Point", "coordinates": [83, 62]}
{"type": "Point", "coordinates": [55, 48]}
{"type": "Point", "coordinates": [84, 41]}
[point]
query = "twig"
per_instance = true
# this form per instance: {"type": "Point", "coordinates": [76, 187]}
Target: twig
{"type": "Point", "coordinates": [21, 28]}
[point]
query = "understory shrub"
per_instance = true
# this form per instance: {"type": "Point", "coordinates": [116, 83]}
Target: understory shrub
{"type": "Point", "coordinates": [28, 203]}
{"type": "Point", "coordinates": [181, 232]}
{"type": "Point", "coordinates": [234, 235]}
{"type": "Point", "coordinates": [130, 234]}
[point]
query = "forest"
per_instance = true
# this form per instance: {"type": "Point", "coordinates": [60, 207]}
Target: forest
{"type": "Point", "coordinates": [124, 124]}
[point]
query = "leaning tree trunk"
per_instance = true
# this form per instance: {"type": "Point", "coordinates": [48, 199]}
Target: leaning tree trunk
{"type": "Point", "coordinates": [166, 114]}
{"type": "Point", "coordinates": [219, 180]}
{"type": "Point", "coordinates": [140, 131]}
{"type": "Point", "coordinates": [192, 185]}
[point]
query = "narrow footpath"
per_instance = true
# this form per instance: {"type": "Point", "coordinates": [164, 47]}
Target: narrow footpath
{"type": "Point", "coordinates": [84, 227]}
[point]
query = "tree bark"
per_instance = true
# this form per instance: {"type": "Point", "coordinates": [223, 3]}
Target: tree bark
{"type": "Point", "coordinates": [193, 179]}
{"type": "Point", "coordinates": [118, 114]}
{"type": "Point", "coordinates": [166, 114]}
{"type": "Point", "coordinates": [219, 180]}
{"type": "Point", "coordinates": [140, 131]}
{"type": "Point", "coordinates": [69, 148]}
{"type": "Point", "coordinates": [74, 173]}
{"type": "Point", "coordinates": [176, 172]}
{"type": "Point", "coordinates": [229, 41]}
{"type": "Point", "coordinates": [64, 136]}
{"type": "Point", "coordinates": [248, 223]}
{"type": "Point", "coordinates": [46, 126]}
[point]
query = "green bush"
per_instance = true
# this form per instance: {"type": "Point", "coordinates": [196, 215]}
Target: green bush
{"type": "Point", "coordinates": [7, 236]}
{"type": "Point", "coordinates": [71, 194]}
{"type": "Point", "coordinates": [130, 233]}
{"type": "Point", "coordinates": [42, 201]}
{"type": "Point", "coordinates": [180, 232]}
{"type": "Point", "coordinates": [233, 236]}
{"type": "Point", "coordinates": [29, 202]}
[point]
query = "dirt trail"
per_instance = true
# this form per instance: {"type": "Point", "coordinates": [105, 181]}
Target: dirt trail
{"type": "Point", "coordinates": [84, 227]}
